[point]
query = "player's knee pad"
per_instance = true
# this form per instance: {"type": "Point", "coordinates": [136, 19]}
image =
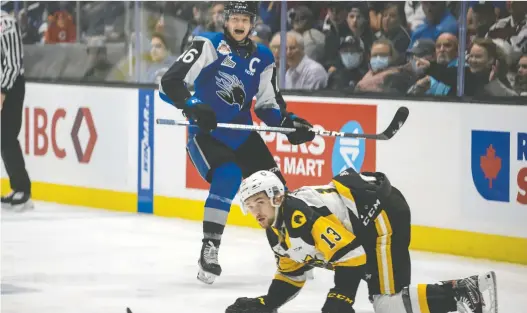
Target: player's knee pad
{"type": "Point", "coordinates": [226, 180]}
{"type": "Point", "coordinates": [396, 303]}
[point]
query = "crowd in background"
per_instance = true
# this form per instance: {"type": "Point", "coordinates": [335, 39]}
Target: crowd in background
{"type": "Point", "coordinates": [395, 47]}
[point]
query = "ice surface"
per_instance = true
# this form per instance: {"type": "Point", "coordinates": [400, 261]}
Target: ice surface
{"type": "Point", "coordinates": [75, 260]}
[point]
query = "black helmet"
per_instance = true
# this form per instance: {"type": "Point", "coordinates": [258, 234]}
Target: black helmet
{"type": "Point", "coordinates": [243, 7]}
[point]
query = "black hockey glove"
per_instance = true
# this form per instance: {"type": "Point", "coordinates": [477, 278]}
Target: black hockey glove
{"type": "Point", "coordinates": [302, 133]}
{"type": "Point", "coordinates": [201, 113]}
{"type": "Point", "coordinates": [339, 301]}
{"type": "Point", "coordinates": [249, 305]}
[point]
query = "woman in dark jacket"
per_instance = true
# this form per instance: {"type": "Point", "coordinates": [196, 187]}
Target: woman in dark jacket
{"type": "Point", "coordinates": [485, 63]}
{"type": "Point", "coordinates": [393, 25]}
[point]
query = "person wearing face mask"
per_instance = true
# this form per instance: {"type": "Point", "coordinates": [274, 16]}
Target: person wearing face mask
{"type": "Point", "coordinates": [381, 66]}
{"type": "Point", "coordinates": [352, 67]}
{"type": "Point", "coordinates": [485, 65]}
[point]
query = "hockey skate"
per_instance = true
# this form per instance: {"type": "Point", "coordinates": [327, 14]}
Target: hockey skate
{"type": "Point", "coordinates": [209, 268]}
{"type": "Point", "coordinates": [17, 201]}
{"type": "Point", "coordinates": [476, 294]}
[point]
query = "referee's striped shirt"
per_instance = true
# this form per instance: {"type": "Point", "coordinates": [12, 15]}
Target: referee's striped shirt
{"type": "Point", "coordinates": [11, 54]}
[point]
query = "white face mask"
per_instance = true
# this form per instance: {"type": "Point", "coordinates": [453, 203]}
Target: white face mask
{"type": "Point", "coordinates": [379, 63]}
{"type": "Point", "coordinates": [351, 60]}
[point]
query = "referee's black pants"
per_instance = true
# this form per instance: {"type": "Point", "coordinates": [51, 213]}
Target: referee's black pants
{"type": "Point", "coordinates": [11, 124]}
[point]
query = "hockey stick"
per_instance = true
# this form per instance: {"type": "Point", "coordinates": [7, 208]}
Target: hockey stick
{"type": "Point", "coordinates": [397, 122]}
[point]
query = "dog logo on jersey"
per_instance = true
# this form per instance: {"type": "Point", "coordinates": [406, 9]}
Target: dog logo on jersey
{"type": "Point", "coordinates": [298, 219]}
{"type": "Point", "coordinates": [223, 48]}
{"type": "Point", "coordinates": [232, 90]}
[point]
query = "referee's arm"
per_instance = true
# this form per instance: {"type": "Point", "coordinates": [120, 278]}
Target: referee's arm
{"type": "Point", "coordinates": [11, 53]}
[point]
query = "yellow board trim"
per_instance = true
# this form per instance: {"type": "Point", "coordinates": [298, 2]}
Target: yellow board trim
{"type": "Point", "coordinates": [424, 238]}
{"type": "Point", "coordinates": [81, 196]}
{"type": "Point", "coordinates": [423, 301]}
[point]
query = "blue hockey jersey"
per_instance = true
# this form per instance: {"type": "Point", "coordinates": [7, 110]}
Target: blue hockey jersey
{"type": "Point", "coordinates": [227, 82]}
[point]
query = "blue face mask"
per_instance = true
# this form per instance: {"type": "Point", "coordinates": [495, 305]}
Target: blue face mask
{"type": "Point", "coordinates": [351, 60]}
{"type": "Point", "coordinates": [379, 63]}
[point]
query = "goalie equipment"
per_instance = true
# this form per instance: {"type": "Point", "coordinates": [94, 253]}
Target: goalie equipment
{"type": "Point", "coordinates": [476, 294]}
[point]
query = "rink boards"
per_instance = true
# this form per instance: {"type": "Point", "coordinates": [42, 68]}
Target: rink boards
{"type": "Point", "coordinates": [461, 166]}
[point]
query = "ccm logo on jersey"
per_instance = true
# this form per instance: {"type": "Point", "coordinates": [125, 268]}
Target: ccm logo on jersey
{"type": "Point", "coordinates": [251, 69]}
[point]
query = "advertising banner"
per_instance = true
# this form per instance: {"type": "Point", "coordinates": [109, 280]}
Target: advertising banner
{"type": "Point", "coordinates": [315, 163]}
{"type": "Point", "coordinates": [145, 155]}
{"type": "Point", "coordinates": [79, 136]}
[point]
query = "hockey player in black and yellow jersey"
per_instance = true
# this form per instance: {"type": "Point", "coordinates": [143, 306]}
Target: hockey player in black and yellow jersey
{"type": "Point", "coordinates": [358, 226]}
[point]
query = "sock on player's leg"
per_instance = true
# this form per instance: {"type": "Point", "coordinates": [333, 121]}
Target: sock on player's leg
{"type": "Point", "coordinates": [435, 298]}
{"type": "Point", "coordinates": [226, 180]}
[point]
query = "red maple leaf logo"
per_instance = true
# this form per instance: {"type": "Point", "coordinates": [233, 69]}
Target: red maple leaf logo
{"type": "Point", "coordinates": [490, 164]}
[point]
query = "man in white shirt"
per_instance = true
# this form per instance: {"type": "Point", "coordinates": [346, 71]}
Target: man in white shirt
{"type": "Point", "coordinates": [302, 73]}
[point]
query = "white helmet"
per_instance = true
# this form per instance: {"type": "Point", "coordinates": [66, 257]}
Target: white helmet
{"type": "Point", "coordinates": [265, 181]}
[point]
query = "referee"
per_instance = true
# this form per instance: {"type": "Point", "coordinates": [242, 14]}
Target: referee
{"type": "Point", "coordinates": [13, 91]}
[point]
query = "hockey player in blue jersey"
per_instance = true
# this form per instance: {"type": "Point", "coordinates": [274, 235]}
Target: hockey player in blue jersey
{"type": "Point", "coordinates": [227, 71]}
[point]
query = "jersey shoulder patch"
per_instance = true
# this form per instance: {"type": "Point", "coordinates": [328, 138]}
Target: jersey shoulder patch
{"type": "Point", "coordinates": [297, 214]}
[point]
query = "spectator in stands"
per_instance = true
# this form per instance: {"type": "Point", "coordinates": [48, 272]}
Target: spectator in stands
{"type": "Point", "coordinates": [393, 27]}
{"type": "Point", "coordinates": [358, 23]}
{"type": "Point", "coordinates": [423, 48]}
{"type": "Point", "coordinates": [216, 17]}
{"type": "Point", "coordinates": [60, 28]}
{"type": "Point", "coordinates": [446, 53]}
{"type": "Point", "coordinates": [274, 45]}
{"type": "Point", "coordinates": [197, 25]}
{"type": "Point", "coordinates": [261, 34]}
{"type": "Point", "coordinates": [303, 23]}
{"type": "Point", "coordinates": [353, 65]}
{"type": "Point", "coordinates": [98, 65]}
{"type": "Point", "coordinates": [415, 16]}
{"type": "Point", "coordinates": [520, 82]}
{"type": "Point", "coordinates": [334, 28]}
{"type": "Point", "coordinates": [160, 59]}
{"type": "Point", "coordinates": [513, 29]}
{"type": "Point", "coordinates": [482, 18]}
{"type": "Point", "coordinates": [303, 72]}
{"type": "Point", "coordinates": [382, 64]}
{"type": "Point", "coordinates": [438, 20]}
{"type": "Point", "coordinates": [499, 10]}
{"type": "Point", "coordinates": [29, 32]}
{"type": "Point", "coordinates": [485, 74]}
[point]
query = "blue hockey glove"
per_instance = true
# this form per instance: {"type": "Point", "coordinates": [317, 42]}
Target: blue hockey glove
{"type": "Point", "coordinates": [201, 113]}
{"type": "Point", "coordinates": [249, 305]}
{"type": "Point", "coordinates": [302, 133]}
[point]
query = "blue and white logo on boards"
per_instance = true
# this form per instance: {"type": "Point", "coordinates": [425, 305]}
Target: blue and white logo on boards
{"type": "Point", "coordinates": [348, 152]}
{"type": "Point", "coordinates": [145, 166]}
